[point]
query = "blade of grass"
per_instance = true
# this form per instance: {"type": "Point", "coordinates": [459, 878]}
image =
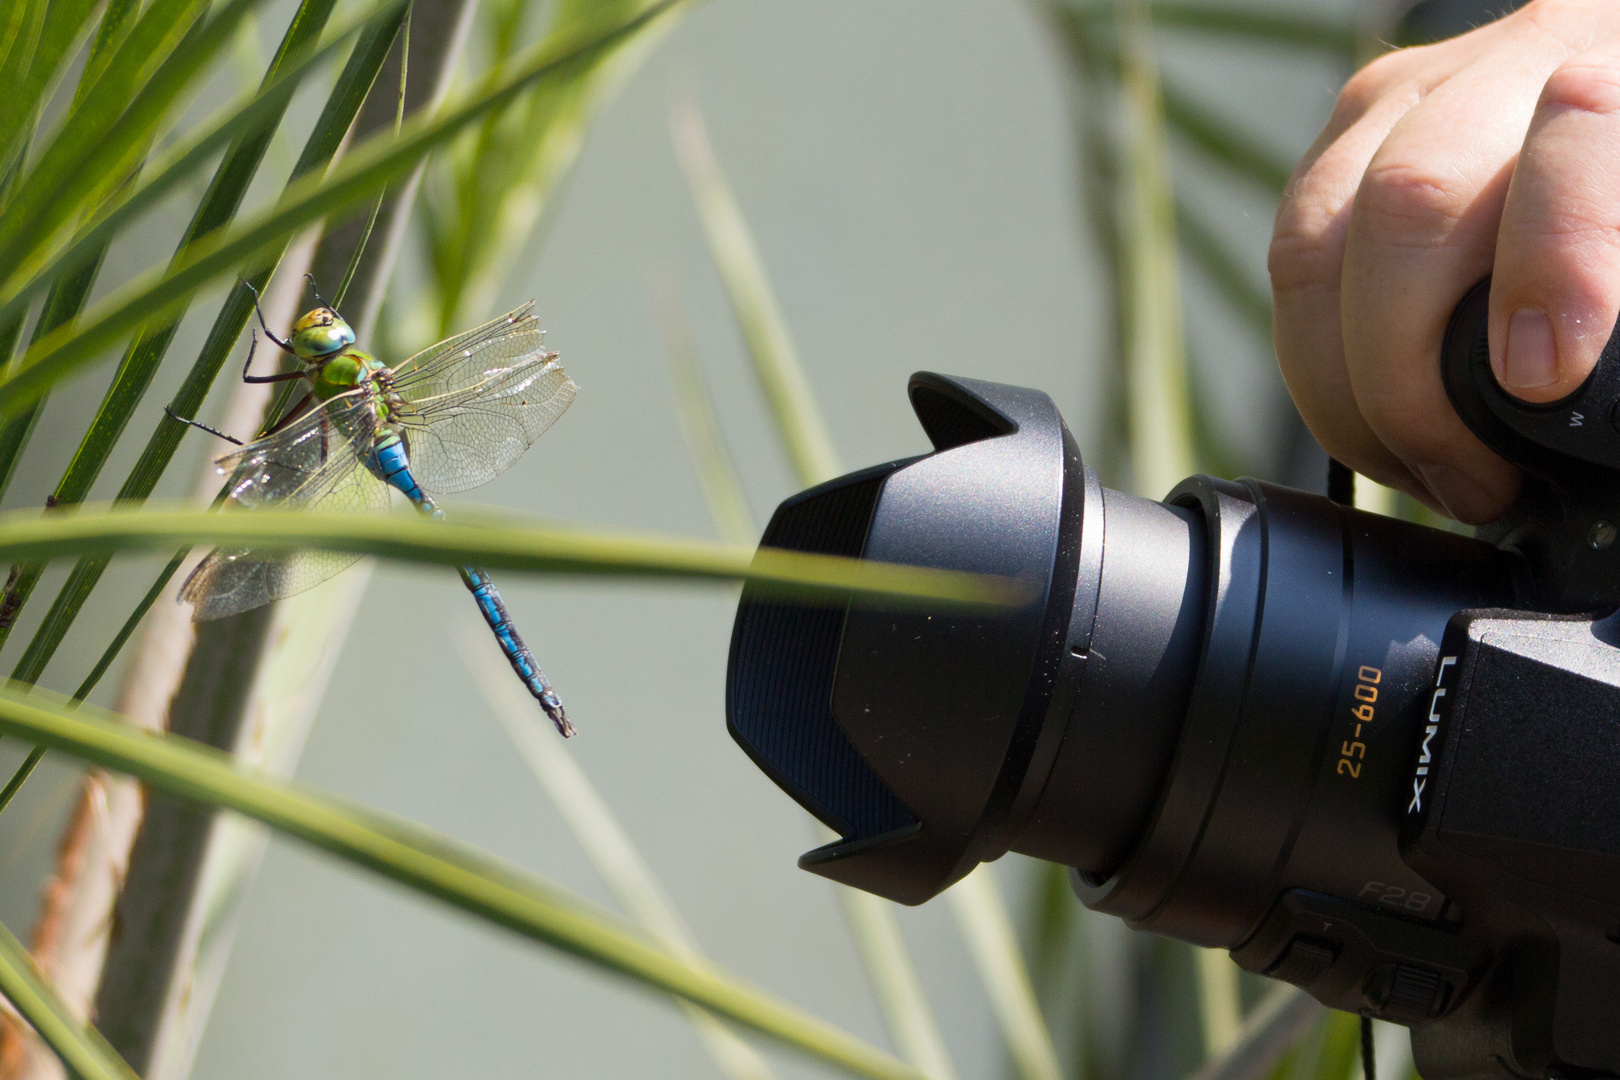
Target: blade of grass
{"type": "Point", "coordinates": [1282, 1016]}
{"type": "Point", "coordinates": [1161, 446]}
{"type": "Point", "coordinates": [68, 292]}
{"type": "Point", "coordinates": [494, 186]}
{"type": "Point", "coordinates": [176, 164]}
{"type": "Point", "coordinates": [496, 541]}
{"type": "Point", "coordinates": [776, 360]}
{"type": "Point", "coordinates": [1266, 25]}
{"type": "Point", "coordinates": [603, 839]}
{"type": "Point", "coordinates": [188, 872]}
{"type": "Point", "coordinates": [171, 44]}
{"type": "Point", "coordinates": [41, 37]}
{"type": "Point", "coordinates": [705, 446]}
{"type": "Point", "coordinates": [146, 352]}
{"type": "Point", "coordinates": [324, 139]}
{"type": "Point", "coordinates": [84, 1052]}
{"type": "Point", "coordinates": [899, 992]}
{"type": "Point", "coordinates": [1219, 1002]}
{"type": "Point", "coordinates": [981, 916]}
{"type": "Point", "coordinates": [434, 865]}
{"type": "Point", "coordinates": [1221, 141]}
{"type": "Point", "coordinates": [871, 920]}
{"type": "Point", "coordinates": [359, 175]}
{"type": "Point", "coordinates": [1225, 271]}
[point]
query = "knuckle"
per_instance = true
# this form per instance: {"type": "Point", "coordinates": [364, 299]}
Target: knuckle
{"type": "Point", "coordinates": [1586, 84]}
{"type": "Point", "coordinates": [1408, 203]}
{"type": "Point", "coordinates": [1300, 260]}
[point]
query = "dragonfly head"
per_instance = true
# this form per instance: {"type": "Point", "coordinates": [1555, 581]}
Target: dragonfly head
{"type": "Point", "coordinates": [319, 333]}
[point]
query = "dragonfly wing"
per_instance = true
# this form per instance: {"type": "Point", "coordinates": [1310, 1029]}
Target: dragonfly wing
{"type": "Point", "coordinates": [314, 464]}
{"type": "Point", "coordinates": [434, 357]}
{"type": "Point", "coordinates": [472, 415]}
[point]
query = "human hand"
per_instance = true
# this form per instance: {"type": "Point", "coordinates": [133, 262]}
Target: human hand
{"type": "Point", "coordinates": [1498, 153]}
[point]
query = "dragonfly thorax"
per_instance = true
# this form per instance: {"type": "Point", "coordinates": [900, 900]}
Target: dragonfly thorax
{"type": "Point", "coordinates": [347, 370]}
{"type": "Point", "coordinates": [319, 333]}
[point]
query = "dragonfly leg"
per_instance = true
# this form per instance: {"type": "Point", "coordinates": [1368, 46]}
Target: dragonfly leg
{"type": "Point", "coordinates": [517, 653]}
{"type": "Point", "coordinates": [285, 376]}
{"type": "Point", "coordinates": [290, 415]}
{"type": "Point", "coordinates": [260, 312]}
{"type": "Point", "coordinates": [212, 431]}
{"type": "Point", "coordinates": [316, 292]}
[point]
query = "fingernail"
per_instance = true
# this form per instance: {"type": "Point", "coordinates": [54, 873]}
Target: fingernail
{"type": "Point", "coordinates": [1531, 357]}
{"type": "Point", "coordinates": [1464, 497]}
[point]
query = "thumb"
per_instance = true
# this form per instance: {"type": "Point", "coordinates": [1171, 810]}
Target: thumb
{"type": "Point", "coordinates": [1555, 290]}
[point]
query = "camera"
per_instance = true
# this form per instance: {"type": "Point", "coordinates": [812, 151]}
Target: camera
{"type": "Point", "coordinates": [1374, 759]}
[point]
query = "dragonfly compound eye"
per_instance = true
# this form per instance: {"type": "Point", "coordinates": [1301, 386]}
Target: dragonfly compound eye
{"type": "Point", "coordinates": [320, 332]}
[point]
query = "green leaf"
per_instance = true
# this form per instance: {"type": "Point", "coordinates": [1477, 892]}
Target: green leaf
{"type": "Point", "coordinates": [705, 446]}
{"type": "Point", "coordinates": [1150, 291]}
{"type": "Point", "coordinates": [40, 36]}
{"type": "Point", "coordinates": [982, 918]}
{"type": "Point", "coordinates": [1211, 254]}
{"type": "Point", "coordinates": [1284, 1015]}
{"type": "Point", "coordinates": [776, 360]}
{"type": "Point", "coordinates": [605, 842]}
{"type": "Point", "coordinates": [361, 173]}
{"type": "Point", "coordinates": [84, 1052]}
{"type": "Point", "coordinates": [493, 541]}
{"type": "Point", "coordinates": [1221, 140]}
{"type": "Point", "coordinates": [178, 163]}
{"type": "Point", "coordinates": [1266, 25]}
{"type": "Point", "coordinates": [146, 352]}
{"type": "Point", "coordinates": [92, 151]}
{"type": "Point", "coordinates": [437, 866]}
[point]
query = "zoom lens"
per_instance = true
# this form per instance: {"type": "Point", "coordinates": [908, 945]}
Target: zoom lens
{"type": "Point", "coordinates": [1213, 701]}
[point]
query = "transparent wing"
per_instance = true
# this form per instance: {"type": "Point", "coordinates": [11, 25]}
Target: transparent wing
{"type": "Point", "coordinates": [435, 357]}
{"type": "Point", "coordinates": [470, 412]}
{"type": "Point", "coordinates": [315, 463]}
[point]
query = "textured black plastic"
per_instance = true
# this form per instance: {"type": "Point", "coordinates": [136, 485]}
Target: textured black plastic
{"type": "Point", "coordinates": [779, 701]}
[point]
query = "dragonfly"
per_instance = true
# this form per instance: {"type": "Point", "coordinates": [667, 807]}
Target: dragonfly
{"type": "Point", "coordinates": [452, 417]}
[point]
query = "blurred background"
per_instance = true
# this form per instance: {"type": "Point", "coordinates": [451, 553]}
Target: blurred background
{"type": "Point", "coordinates": [931, 184]}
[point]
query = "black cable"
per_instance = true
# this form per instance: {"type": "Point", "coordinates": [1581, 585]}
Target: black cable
{"type": "Point", "coordinates": [1341, 483]}
{"type": "Point", "coordinates": [1368, 1068]}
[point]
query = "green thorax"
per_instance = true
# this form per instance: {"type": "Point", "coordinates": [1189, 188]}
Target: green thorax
{"type": "Point", "coordinates": [344, 371]}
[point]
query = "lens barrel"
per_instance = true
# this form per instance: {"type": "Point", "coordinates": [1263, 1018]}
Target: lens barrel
{"type": "Point", "coordinates": [1212, 700]}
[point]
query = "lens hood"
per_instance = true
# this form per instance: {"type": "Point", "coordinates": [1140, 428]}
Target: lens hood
{"type": "Point", "coordinates": [910, 732]}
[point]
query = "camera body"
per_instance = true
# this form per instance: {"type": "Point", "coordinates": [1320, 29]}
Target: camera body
{"type": "Point", "coordinates": [1369, 758]}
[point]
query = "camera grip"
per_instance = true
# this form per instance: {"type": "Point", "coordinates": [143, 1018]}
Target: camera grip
{"type": "Point", "coordinates": [1543, 438]}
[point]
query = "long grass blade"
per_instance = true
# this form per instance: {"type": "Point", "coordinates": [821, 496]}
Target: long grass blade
{"type": "Point", "coordinates": [895, 984]}
{"type": "Point", "coordinates": [1237, 285]}
{"type": "Point", "coordinates": [175, 165]}
{"type": "Point", "coordinates": [981, 915]}
{"type": "Point", "coordinates": [705, 446]}
{"type": "Point", "coordinates": [170, 46]}
{"type": "Point", "coordinates": [1223, 142]}
{"type": "Point", "coordinates": [84, 1052]}
{"type": "Point", "coordinates": [40, 37]}
{"type": "Point", "coordinates": [365, 169]}
{"type": "Point", "coordinates": [437, 866]}
{"type": "Point", "coordinates": [603, 839]}
{"type": "Point", "coordinates": [1274, 1025]}
{"type": "Point", "coordinates": [496, 541]}
{"type": "Point", "coordinates": [1219, 1000]}
{"type": "Point", "coordinates": [1267, 25]}
{"type": "Point", "coordinates": [1160, 439]}
{"type": "Point", "coordinates": [776, 360]}
{"type": "Point", "coordinates": [145, 354]}
{"type": "Point", "coordinates": [489, 193]}
{"type": "Point", "coordinates": [324, 139]}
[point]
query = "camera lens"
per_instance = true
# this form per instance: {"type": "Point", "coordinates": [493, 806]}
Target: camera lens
{"type": "Point", "coordinates": [1213, 700]}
